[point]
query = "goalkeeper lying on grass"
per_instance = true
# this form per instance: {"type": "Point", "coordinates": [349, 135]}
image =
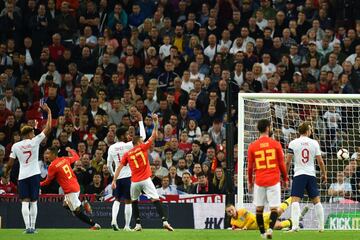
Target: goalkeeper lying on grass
{"type": "Point", "coordinates": [243, 219]}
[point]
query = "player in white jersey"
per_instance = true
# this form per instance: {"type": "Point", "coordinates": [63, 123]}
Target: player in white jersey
{"type": "Point", "coordinates": [27, 153]}
{"type": "Point", "coordinates": [305, 151]}
{"type": "Point", "coordinates": [123, 182]}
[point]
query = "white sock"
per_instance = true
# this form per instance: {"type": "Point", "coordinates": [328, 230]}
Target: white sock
{"type": "Point", "coordinates": [115, 210]}
{"type": "Point", "coordinates": [25, 213]}
{"type": "Point", "coordinates": [319, 212]}
{"type": "Point", "coordinates": [295, 214]}
{"type": "Point", "coordinates": [33, 214]}
{"type": "Point", "coordinates": [127, 213]}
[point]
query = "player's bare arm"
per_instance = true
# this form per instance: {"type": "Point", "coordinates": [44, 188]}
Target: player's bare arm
{"type": "Point", "coordinates": [321, 163]}
{"type": "Point", "coordinates": [117, 172]}
{"type": "Point", "coordinates": [47, 128]}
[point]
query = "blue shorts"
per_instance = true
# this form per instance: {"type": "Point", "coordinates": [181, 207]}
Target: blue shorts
{"type": "Point", "coordinates": [302, 182]}
{"type": "Point", "coordinates": [29, 187]}
{"type": "Point", "coordinates": [122, 190]}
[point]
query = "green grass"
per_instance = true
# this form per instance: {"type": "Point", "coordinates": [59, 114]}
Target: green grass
{"type": "Point", "coordinates": [179, 234]}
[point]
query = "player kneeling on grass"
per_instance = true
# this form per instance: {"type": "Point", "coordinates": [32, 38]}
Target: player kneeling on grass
{"type": "Point", "coordinates": [243, 219]}
{"type": "Point", "coordinates": [60, 169]}
{"type": "Point", "coordinates": [138, 160]}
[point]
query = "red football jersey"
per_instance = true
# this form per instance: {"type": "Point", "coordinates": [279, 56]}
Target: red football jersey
{"type": "Point", "coordinates": [60, 169]}
{"type": "Point", "coordinates": [266, 156]}
{"type": "Point", "coordinates": [138, 160]}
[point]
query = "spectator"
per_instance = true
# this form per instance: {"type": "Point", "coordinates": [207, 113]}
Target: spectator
{"type": "Point", "coordinates": [219, 181]}
{"type": "Point", "coordinates": [155, 179]}
{"type": "Point", "coordinates": [166, 188]}
{"type": "Point", "coordinates": [95, 186]}
{"type": "Point", "coordinates": [174, 179]}
{"type": "Point", "coordinates": [217, 132]}
{"type": "Point", "coordinates": [339, 190]}
{"type": "Point", "coordinates": [160, 171]}
{"type": "Point", "coordinates": [98, 162]}
{"type": "Point", "coordinates": [187, 186]}
{"type": "Point", "coordinates": [203, 186]}
{"type": "Point", "coordinates": [11, 102]}
{"type": "Point", "coordinates": [6, 186]}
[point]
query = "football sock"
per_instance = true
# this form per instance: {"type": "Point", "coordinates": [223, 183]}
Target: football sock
{"type": "Point", "coordinates": [79, 213]}
{"type": "Point", "coordinates": [260, 221]}
{"type": "Point", "coordinates": [295, 214]}
{"type": "Point", "coordinates": [286, 223]}
{"type": "Point", "coordinates": [33, 214]}
{"type": "Point", "coordinates": [115, 210]}
{"type": "Point", "coordinates": [319, 211]}
{"type": "Point", "coordinates": [127, 213]}
{"type": "Point", "coordinates": [136, 212]}
{"type": "Point", "coordinates": [273, 218]}
{"type": "Point", "coordinates": [26, 214]}
{"type": "Point", "coordinates": [160, 210]}
{"type": "Point", "coordinates": [284, 205]}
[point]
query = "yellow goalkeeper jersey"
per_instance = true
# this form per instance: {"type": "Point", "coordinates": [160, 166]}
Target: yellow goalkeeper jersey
{"type": "Point", "coordinates": [244, 218]}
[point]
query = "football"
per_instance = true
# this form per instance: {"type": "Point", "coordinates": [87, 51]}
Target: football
{"type": "Point", "coordinates": [343, 154]}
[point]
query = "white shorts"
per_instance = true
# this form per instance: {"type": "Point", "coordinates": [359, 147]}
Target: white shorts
{"type": "Point", "coordinates": [72, 200]}
{"type": "Point", "coordinates": [147, 186]}
{"type": "Point", "coordinates": [270, 195]}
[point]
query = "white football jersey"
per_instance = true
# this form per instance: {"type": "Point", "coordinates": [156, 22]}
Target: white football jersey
{"type": "Point", "coordinates": [305, 151]}
{"type": "Point", "coordinates": [27, 152]}
{"type": "Point", "coordinates": [117, 151]}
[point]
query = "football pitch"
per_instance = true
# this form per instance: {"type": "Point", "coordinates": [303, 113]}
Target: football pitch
{"type": "Point", "coordinates": [179, 234]}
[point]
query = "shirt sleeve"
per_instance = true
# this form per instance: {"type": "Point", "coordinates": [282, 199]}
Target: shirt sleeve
{"type": "Point", "coordinates": [74, 157]}
{"type": "Point", "coordinates": [145, 146]}
{"type": "Point", "coordinates": [49, 178]}
{"type": "Point", "coordinates": [142, 130]}
{"type": "Point", "coordinates": [38, 138]}
{"type": "Point", "coordinates": [317, 148]}
{"type": "Point", "coordinates": [281, 161]}
{"type": "Point", "coordinates": [12, 153]}
{"type": "Point", "coordinates": [109, 163]}
{"type": "Point", "coordinates": [124, 160]}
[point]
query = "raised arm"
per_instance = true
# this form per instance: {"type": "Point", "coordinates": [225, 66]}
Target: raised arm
{"type": "Point", "coordinates": [141, 125]}
{"type": "Point", "coordinates": [156, 126]}
{"type": "Point", "coordinates": [74, 156]}
{"type": "Point", "coordinates": [49, 177]}
{"type": "Point", "coordinates": [47, 128]}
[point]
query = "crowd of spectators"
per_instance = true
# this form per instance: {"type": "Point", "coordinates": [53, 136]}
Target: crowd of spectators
{"type": "Point", "coordinates": [97, 62]}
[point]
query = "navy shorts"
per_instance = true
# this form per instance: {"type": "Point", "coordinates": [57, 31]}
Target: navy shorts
{"type": "Point", "coordinates": [122, 190]}
{"type": "Point", "coordinates": [29, 187]}
{"type": "Point", "coordinates": [304, 182]}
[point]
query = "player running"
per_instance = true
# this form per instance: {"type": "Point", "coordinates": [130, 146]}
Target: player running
{"type": "Point", "coordinates": [243, 219]}
{"type": "Point", "coordinates": [305, 150]}
{"type": "Point", "coordinates": [27, 152]}
{"type": "Point", "coordinates": [266, 158]}
{"type": "Point", "coordinates": [123, 182]}
{"type": "Point", "coordinates": [60, 169]}
{"type": "Point", "coordinates": [138, 160]}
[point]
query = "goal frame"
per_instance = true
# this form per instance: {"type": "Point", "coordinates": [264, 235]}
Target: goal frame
{"type": "Point", "coordinates": [269, 96]}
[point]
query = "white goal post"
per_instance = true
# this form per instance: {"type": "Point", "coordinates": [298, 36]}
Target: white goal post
{"type": "Point", "coordinates": [286, 111]}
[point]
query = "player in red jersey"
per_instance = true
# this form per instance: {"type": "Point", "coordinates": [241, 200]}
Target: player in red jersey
{"type": "Point", "coordinates": [138, 160]}
{"type": "Point", "coordinates": [60, 169]}
{"type": "Point", "coordinates": [266, 159]}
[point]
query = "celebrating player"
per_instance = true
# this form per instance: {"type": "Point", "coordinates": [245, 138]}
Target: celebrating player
{"type": "Point", "coordinates": [138, 160]}
{"type": "Point", "coordinates": [60, 169]}
{"type": "Point", "coordinates": [123, 182]}
{"type": "Point", "coordinates": [266, 156]}
{"type": "Point", "coordinates": [305, 150]}
{"type": "Point", "coordinates": [27, 152]}
{"type": "Point", "coordinates": [243, 219]}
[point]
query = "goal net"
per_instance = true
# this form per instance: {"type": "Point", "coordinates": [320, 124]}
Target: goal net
{"type": "Point", "coordinates": [335, 120]}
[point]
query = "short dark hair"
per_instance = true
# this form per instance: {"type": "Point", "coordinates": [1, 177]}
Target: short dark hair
{"type": "Point", "coordinates": [263, 124]}
{"type": "Point", "coordinates": [121, 131]}
{"type": "Point", "coordinates": [53, 150]}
